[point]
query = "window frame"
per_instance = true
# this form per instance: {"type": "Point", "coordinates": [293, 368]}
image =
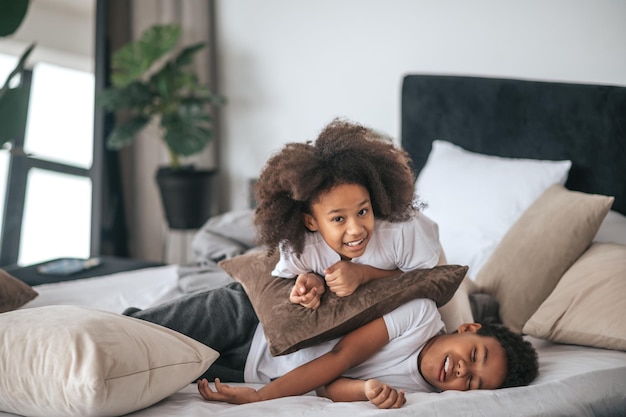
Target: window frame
{"type": "Point", "coordinates": [19, 165]}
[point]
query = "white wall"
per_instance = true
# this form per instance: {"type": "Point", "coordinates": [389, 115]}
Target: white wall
{"type": "Point", "coordinates": [288, 67]}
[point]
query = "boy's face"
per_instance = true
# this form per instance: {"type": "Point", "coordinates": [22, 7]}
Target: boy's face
{"type": "Point", "coordinates": [344, 217]}
{"type": "Point", "coordinates": [463, 361]}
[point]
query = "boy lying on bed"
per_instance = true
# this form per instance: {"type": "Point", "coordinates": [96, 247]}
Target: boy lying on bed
{"type": "Point", "coordinates": [406, 350]}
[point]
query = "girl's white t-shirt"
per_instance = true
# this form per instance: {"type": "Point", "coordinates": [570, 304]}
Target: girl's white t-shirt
{"type": "Point", "coordinates": [404, 245]}
{"type": "Point", "coordinates": [409, 326]}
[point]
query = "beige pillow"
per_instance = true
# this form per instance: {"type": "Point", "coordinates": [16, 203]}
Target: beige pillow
{"type": "Point", "coordinates": [289, 327]}
{"type": "Point", "coordinates": [75, 361]}
{"type": "Point", "coordinates": [533, 255]}
{"type": "Point", "coordinates": [13, 292]}
{"type": "Point", "coordinates": [588, 304]}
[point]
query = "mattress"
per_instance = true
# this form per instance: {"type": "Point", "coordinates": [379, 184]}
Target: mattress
{"type": "Point", "coordinates": [573, 380]}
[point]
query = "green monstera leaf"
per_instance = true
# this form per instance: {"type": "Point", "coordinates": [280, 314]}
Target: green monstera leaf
{"type": "Point", "coordinates": [13, 98]}
{"type": "Point", "coordinates": [12, 13]}
{"type": "Point", "coordinates": [14, 102]}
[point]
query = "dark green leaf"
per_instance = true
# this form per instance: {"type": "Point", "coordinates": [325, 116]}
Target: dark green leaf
{"type": "Point", "coordinates": [13, 108]}
{"type": "Point", "coordinates": [12, 13]}
{"type": "Point", "coordinates": [123, 134]}
{"type": "Point", "coordinates": [188, 131]}
{"type": "Point", "coordinates": [171, 79]}
{"type": "Point", "coordinates": [135, 96]}
{"type": "Point", "coordinates": [19, 68]}
{"type": "Point", "coordinates": [185, 57]}
{"type": "Point", "coordinates": [133, 60]}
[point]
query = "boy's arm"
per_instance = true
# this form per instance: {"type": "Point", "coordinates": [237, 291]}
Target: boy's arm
{"type": "Point", "coordinates": [354, 348]}
{"type": "Point", "coordinates": [343, 390]}
{"type": "Point", "coordinates": [373, 390]}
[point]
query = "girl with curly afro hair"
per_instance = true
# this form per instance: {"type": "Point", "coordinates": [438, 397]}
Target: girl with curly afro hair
{"type": "Point", "coordinates": [342, 208]}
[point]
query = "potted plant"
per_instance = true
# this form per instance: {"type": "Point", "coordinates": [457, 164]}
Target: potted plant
{"type": "Point", "coordinates": [150, 82]}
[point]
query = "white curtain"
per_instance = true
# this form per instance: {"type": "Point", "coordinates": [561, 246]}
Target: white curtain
{"type": "Point", "coordinates": [149, 237]}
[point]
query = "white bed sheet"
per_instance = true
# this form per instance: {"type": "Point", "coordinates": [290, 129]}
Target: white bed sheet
{"type": "Point", "coordinates": [140, 288]}
{"type": "Point", "coordinates": [573, 380]}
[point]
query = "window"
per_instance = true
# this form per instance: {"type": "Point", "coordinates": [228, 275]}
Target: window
{"type": "Point", "coordinates": [60, 115]}
{"type": "Point", "coordinates": [7, 63]}
{"type": "Point", "coordinates": [45, 180]}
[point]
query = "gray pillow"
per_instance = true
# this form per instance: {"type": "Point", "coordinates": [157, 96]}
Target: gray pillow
{"type": "Point", "coordinates": [224, 236]}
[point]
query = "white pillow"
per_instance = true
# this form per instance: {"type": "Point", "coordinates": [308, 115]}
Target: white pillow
{"type": "Point", "coordinates": [476, 198]}
{"type": "Point", "coordinates": [75, 361]}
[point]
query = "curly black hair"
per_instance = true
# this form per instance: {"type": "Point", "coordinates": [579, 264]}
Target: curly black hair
{"type": "Point", "coordinates": [521, 356]}
{"type": "Point", "coordinates": [343, 153]}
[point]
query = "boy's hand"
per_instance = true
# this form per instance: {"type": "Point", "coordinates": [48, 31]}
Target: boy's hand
{"type": "Point", "coordinates": [308, 290]}
{"type": "Point", "coordinates": [344, 277]}
{"type": "Point", "coordinates": [226, 393]}
{"type": "Point", "coordinates": [383, 395]}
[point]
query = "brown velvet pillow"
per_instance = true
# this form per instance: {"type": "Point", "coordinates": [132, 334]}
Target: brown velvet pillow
{"type": "Point", "coordinates": [13, 292]}
{"type": "Point", "coordinates": [289, 327]}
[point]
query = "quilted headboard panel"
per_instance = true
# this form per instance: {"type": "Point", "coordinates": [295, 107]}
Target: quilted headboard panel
{"type": "Point", "coordinates": [523, 119]}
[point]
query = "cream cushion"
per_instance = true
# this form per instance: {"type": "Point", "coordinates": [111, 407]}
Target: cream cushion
{"type": "Point", "coordinates": [588, 304]}
{"type": "Point", "coordinates": [542, 244]}
{"type": "Point", "coordinates": [75, 361]}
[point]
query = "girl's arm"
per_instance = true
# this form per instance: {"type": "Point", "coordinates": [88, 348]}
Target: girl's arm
{"type": "Point", "coordinates": [377, 392]}
{"type": "Point", "coordinates": [354, 348]}
{"type": "Point", "coordinates": [344, 277]}
{"type": "Point", "coordinates": [442, 258]}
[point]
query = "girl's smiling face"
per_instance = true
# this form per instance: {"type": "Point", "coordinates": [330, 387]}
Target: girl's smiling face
{"type": "Point", "coordinates": [344, 217]}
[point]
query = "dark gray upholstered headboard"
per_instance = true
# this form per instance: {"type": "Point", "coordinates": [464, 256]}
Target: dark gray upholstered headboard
{"type": "Point", "coordinates": [523, 119]}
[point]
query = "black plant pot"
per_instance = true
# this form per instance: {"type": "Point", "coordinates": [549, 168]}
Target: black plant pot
{"type": "Point", "coordinates": [186, 196]}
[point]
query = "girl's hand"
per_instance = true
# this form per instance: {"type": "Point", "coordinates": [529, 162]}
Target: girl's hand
{"type": "Point", "coordinates": [308, 290]}
{"type": "Point", "coordinates": [383, 395]}
{"type": "Point", "coordinates": [344, 277]}
{"type": "Point", "coordinates": [226, 393]}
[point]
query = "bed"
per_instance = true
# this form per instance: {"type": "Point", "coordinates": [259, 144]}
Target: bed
{"type": "Point", "coordinates": [450, 124]}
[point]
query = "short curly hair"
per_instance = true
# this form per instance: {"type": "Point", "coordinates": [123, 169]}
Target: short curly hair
{"type": "Point", "coordinates": [344, 153]}
{"type": "Point", "coordinates": [521, 356]}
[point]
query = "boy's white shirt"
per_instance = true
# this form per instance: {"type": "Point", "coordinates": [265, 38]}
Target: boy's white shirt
{"type": "Point", "coordinates": [409, 327]}
{"type": "Point", "coordinates": [404, 245]}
